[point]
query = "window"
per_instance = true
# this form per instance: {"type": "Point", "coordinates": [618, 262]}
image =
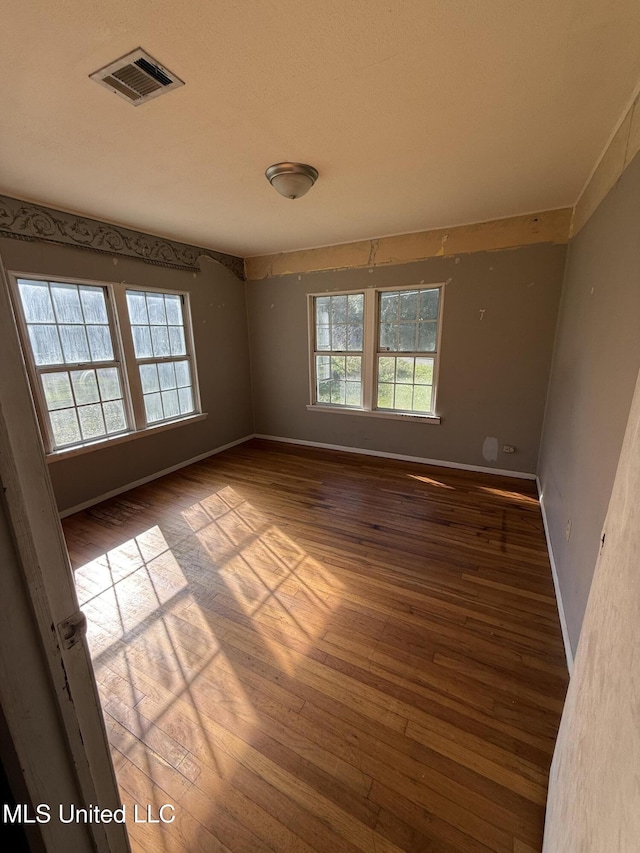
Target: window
{"type": "Point", "coordinates": [376, 350]}
{"type": "Point", "coordinates": [339, 341]}
{"type": "Point", "coordinates": [104, 361]}
{"type": "Point", "coordinates": [157, 327]}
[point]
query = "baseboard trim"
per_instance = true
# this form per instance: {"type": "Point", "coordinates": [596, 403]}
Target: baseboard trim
{"type": "Point", "coordinates": [114, 492]}
{"type": "Point", "coordinates": [556, 583]}
{"type": "Point", "coordinates": [402, 458]}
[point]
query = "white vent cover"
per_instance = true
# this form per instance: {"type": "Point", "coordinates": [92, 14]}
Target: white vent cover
{"type": "Point", "coordinates": [136, 77]}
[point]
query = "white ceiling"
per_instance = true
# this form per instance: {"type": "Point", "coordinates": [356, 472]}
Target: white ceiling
{"type": "Point", "coordinates": [417, 113]}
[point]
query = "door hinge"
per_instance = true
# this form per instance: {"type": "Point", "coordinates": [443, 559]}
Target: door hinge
{"type": "Point", "coordinates": [73, 629]}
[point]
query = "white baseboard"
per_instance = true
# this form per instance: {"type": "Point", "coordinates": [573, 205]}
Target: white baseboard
{"type": "Point", "coordinates": [402, 458]}
{"type": "Point", "coordinates": [154, 476]}
{"type": "Point", "coordinates": [556, 584]}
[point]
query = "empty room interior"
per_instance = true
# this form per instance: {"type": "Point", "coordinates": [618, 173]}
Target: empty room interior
{"type": "Point", "coordinates": [319, 430]}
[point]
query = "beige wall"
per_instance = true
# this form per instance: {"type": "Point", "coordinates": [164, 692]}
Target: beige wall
{"type": "Point", "coordinates": [499, 318]}
{"type": "Point", "coordinates": [594, 795]}
{"type": "Point", "coordinates": [596, 360]}
{"type": "Point", "coordinates": [220, 331]}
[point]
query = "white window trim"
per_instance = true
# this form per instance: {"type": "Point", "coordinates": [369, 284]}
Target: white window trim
{"type": "Point", "coordinates": [370, 355]}
{"type": "Point", "coordinates": [374, 413]}
{"type": "Point", "coordinates": [124, 358]}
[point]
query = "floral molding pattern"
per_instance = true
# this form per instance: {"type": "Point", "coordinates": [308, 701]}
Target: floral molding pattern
{"type": "Point", "coordinates": [26, 221]}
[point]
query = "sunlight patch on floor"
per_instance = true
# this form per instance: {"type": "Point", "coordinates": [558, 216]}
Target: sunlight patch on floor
{"type": "Point", "coordinates": [430, 481]}
{"type": "Point", "coordinates": [158, 612]}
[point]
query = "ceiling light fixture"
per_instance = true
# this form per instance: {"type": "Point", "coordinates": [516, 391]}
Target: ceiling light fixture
{"type": "Point", "coordinates": [291, 180]}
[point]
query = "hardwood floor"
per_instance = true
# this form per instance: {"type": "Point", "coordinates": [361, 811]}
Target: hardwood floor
{"type": "Point", "coordinates": [302, 650]}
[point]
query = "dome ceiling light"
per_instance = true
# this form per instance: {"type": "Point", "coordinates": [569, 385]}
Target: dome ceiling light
{"type": "Point", "coordinates": [292, 180]}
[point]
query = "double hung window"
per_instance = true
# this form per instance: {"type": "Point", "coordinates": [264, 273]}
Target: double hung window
{"type": "Point", "coordinates": [376, 350]}
{"type": "Point", "coordinates": [160, 347]}
{"type": "Point", "coordinates": [339, 345]}
{"type": "Point", "coordinates": [104, 360]}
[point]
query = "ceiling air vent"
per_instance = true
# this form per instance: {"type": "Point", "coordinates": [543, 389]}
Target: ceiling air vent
{"type": "Point", "coordinates": [136, 77]}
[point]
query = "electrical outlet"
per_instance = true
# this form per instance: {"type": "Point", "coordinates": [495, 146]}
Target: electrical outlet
{"type": "Point", "coordinates": [508, 448]}
{"type": "Point", "coordinates": [567, 532]}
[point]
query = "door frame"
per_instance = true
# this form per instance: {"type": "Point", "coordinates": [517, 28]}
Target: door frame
{"type": "Point", "coordinates": [48, 684]}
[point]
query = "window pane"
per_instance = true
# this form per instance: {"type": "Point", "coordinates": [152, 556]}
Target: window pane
{"type": "Point", "coordinates": [355, 308]}
{"type": "Point", "coordinates": [407, 337]}
{"type": "Point", "coordinates": [176, 340]}
{"type": "Point", "coordinates": [323, 366]}
{"type": "Point", "coordinates": [67, 305]}
{"type": "Point", "coordinates": [45, 345]}
{"type": "Point", "coordinates": [338, 392]}
{"type": "Point", "coordinates": [422, 398]}
{"type": "Point", "coordinates": [93, 304]}
{"type": "Point", "coordinates": [405, 383]}
{"type": "Point", "coordinates": [354, 368]}
{"type": "Point", "coordinates": [404, 395]}
{"type": "Point", "coordinates": [91, 422]}
{"type": "Point", "coordinates": [185, 396]}
{"type": "Point", "coordinates": [354, 394]}
{"type": "Point", "coordinates": [429, 300]}
{"type": "Point", "coordinates": [409, 305]}
{"type": "Point", "coordinates": [427, 337]}
{"type": "Point", "coordinates": [323, 337]}
{"type": "Point", "coordinates": [339, 338]}
{"type": "Point", "coordinates": [155, 307]}
{"type": "Point", "coordinates": [137, 305]}
{"type": "Point", "coordinates": [424, 371]}
{"type": "Point", "coordinates": [85, 386]}
{"type": "Point", "coordinates": [64, 425]}
{"type": "Point", "coordinates": [170, 404]}
{"type": "Point", "coordinates": [149, 378]}
{"type": "Point", "coordinates": [385, 396]}
{"type": "Point", "coordinates": [114, 416]}
{"type": "Point", "coordinates": [388, 307]}
{"type": "Point", "coordinates": [404, 370]}
{"type": "Point", "coordinates": [173, 307]}
{"type": "Point", "coordinates": [141, 341]}
{"type": "Point", "coordinates": [100, 343]}
{"type": "Point", "coordinates": [354, 338]}
{"type": "Point", "coordinates": [36, 301]}
{"type": "Point", "coordinates": [323, 309]}
{"type": "Point", "coordinates": [183, 374]}
{"type": "Point", "coordinates": [167, 376]}
{"type": "Point", "coordinates": [339, 323]}
{"type": "Point", "coordinates": [66, 302]}
{"type": "Point", "coordinates": [386, 369]}
{"type": "Point", "coordinates": [324, 391]}
{"type": "Point", "coordinates": [153, 408]}
{"type": "Point", "coordinates": [109, 383]}
{"type": "Point", "coordinates": [388, 337]}
{"type": "Point", "coordinates": [338, 367]}
{"type": "Point", "coordinates": [74, 344]}
{"type": "Point", "coordinates": [160, 341]}
{"type": "Point", "coordinates": [338, 309]}
{"type": "Point", "coordinates": [408, 321]}
{"type": "Point", "coordinates": [57, 390]}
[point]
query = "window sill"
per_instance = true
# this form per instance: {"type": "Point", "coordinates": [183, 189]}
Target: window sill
{"type": "Point", "coordinates": [396, 416]}
{"type": "Point", "coordinates": [56, 455]}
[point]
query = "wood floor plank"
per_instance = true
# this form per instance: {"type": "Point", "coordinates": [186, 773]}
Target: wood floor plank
{"type": "Point", "coordinates": [308, 651]}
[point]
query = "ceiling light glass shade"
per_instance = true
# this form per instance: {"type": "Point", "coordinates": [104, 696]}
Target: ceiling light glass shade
{"type": "Point", "coordinates": [291, 180]}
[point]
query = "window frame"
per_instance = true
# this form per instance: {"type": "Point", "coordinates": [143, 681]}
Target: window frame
{"type": "Point", "coordinates": [340, 353]}
{"type": "Point", "coordinates": [137, 397]}
{"type": "Point", "coordinates": [119, 325]}
{"type": "Point", "coordinates": [371, 353]}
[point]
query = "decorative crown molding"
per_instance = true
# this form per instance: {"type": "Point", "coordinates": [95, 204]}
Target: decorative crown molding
{"type": "Point", "coordinates": [26, 221]}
